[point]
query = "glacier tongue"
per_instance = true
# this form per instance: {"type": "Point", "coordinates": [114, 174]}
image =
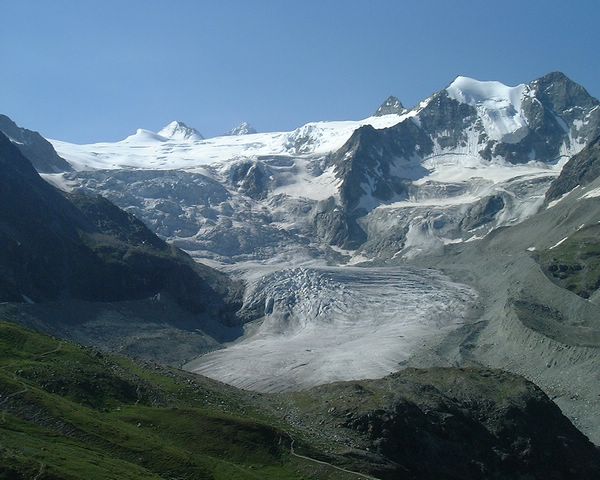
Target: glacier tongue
{"type": "Point", "coordinates": [324, 324]}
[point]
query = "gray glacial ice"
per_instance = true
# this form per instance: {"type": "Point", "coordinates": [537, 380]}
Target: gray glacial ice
{"type": "Point", "coordinates": [325, 324]}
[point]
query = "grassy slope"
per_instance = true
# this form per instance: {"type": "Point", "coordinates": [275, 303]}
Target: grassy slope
{"type": "Point", "coordinates": [70, 412]}
{"type": "Point", "coordinates": [575, 263]}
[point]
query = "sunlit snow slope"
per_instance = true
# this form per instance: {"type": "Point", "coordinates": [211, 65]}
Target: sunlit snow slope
{"type": "Point", "coordinates": [174, 147]}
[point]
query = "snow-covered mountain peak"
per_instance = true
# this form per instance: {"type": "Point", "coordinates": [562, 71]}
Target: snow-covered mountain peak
{"type": "Point", "coordinates": [180, 131]}
{"type": "Point", "coordinates": [498, 105]}
{"type": "Point", "coordinates": [476, 92]}
{"type": "Point", "coordinates": [243, 129]}
{"type": "Point", "coordinates": [144, 136]}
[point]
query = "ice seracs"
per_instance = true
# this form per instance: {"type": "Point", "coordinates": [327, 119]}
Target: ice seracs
{"type": "Point", "coordinates": [180, 131]}
{"type": "Point", "coordinates": [319, 325]}
{"type": "Point", "coordinates": [498, 105]}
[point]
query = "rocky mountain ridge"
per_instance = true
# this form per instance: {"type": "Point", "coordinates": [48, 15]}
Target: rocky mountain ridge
{"type": "Point", "coordinates": [471, 158]}
{"type": "Point", "coordinates": [36, 148]}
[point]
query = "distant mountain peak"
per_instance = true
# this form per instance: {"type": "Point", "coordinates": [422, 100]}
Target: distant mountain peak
{"type": "Point", "coordinates": [242, 129]}
{"type": "Point", "coordinates": [562, 93]}
{"type": "Point", "coordinates": [177, 130]}
{"type": "Point", "coordinates": [555, 76]}
{"type": "Point", "coordinates": [391, 105]}
{"type": "Point", "coordinates": [144, 136]}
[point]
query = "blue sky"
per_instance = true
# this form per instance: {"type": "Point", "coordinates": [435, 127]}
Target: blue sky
{"type": "Point", "coordinates": [83, 70]}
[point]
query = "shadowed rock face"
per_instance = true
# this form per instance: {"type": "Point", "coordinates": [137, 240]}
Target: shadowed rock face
{"type": "Point", "coordinates": [453, 424]}
{"type": "Point", "coordinates": [582, 169]}
{"type": "Point", "coordinates": [56, 246]}
{"type": "Point", "coordinates": [35, 147]}
{"type": "Point", "coordinates": [250, 178]}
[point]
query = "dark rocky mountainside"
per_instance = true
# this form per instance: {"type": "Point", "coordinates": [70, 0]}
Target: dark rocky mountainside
{"type": "Point", "coordinates": [539, 282]}
{"type": "Point", "coordinates": [451, 423]}
{"type": "Point", "coordinates": [56, 246]}
{"type": "Point", "coordinates": [35, 147]}
{"type": "Point", "coordinates": [581, 169]}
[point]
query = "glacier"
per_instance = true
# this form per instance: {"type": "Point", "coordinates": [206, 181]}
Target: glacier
{"type": "Point", "coordinates": [278, 211]}
{"type": "Point", "coordinates": [327, 324]}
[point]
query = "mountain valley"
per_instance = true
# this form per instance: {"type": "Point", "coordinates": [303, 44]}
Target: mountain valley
{"type": "Point", "coordinates": [379, 291]}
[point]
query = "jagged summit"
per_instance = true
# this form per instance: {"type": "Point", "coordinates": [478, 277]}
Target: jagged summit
{"type": "Point", "coordinates": [243, 129]}
{"type": "Point", "coordinates": [562, 93]}
{"type": "Point", "coordinates": [180, 131]}
{"type": "Point", "coordinates": [391, 105]}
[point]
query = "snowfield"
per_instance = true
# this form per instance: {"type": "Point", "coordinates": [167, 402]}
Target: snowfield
{"type": "Point", "coordinates": [185, 150]}
{"type": "Point", "coordinates": [324, 324]}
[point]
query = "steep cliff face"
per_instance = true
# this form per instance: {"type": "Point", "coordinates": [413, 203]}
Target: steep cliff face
{"type": "Point", "coordinates": [36, 148]}
{"type": "Point", "coordinates": [581, 170]}
{"type": "Point", "coordinates": [57, 246]}
{"type": "Point", "coordinates": [541, 121]}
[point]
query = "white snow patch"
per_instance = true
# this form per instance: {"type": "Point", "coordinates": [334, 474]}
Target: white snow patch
{"type": "Point", "coordinates": [149, 150]}
{"type": "Point", "coordinates": [304, 185]}
{"type": "Point", "coordinates": [180, 131]}
{"type": "Point", "coordinates": [144, 136]}
{"type": "Point", "coordinates": [558, 243]}
{"type": "Point", "coordinates": [498, 105]}
{"type": "Point", "coordinates": [474, 238]}
{"type": "Point", "coordinates": [553, 203]}
{"type": "Point", "coordinates": [594, 193]}
{"type": "Point", "coordinates": [59, 181]}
